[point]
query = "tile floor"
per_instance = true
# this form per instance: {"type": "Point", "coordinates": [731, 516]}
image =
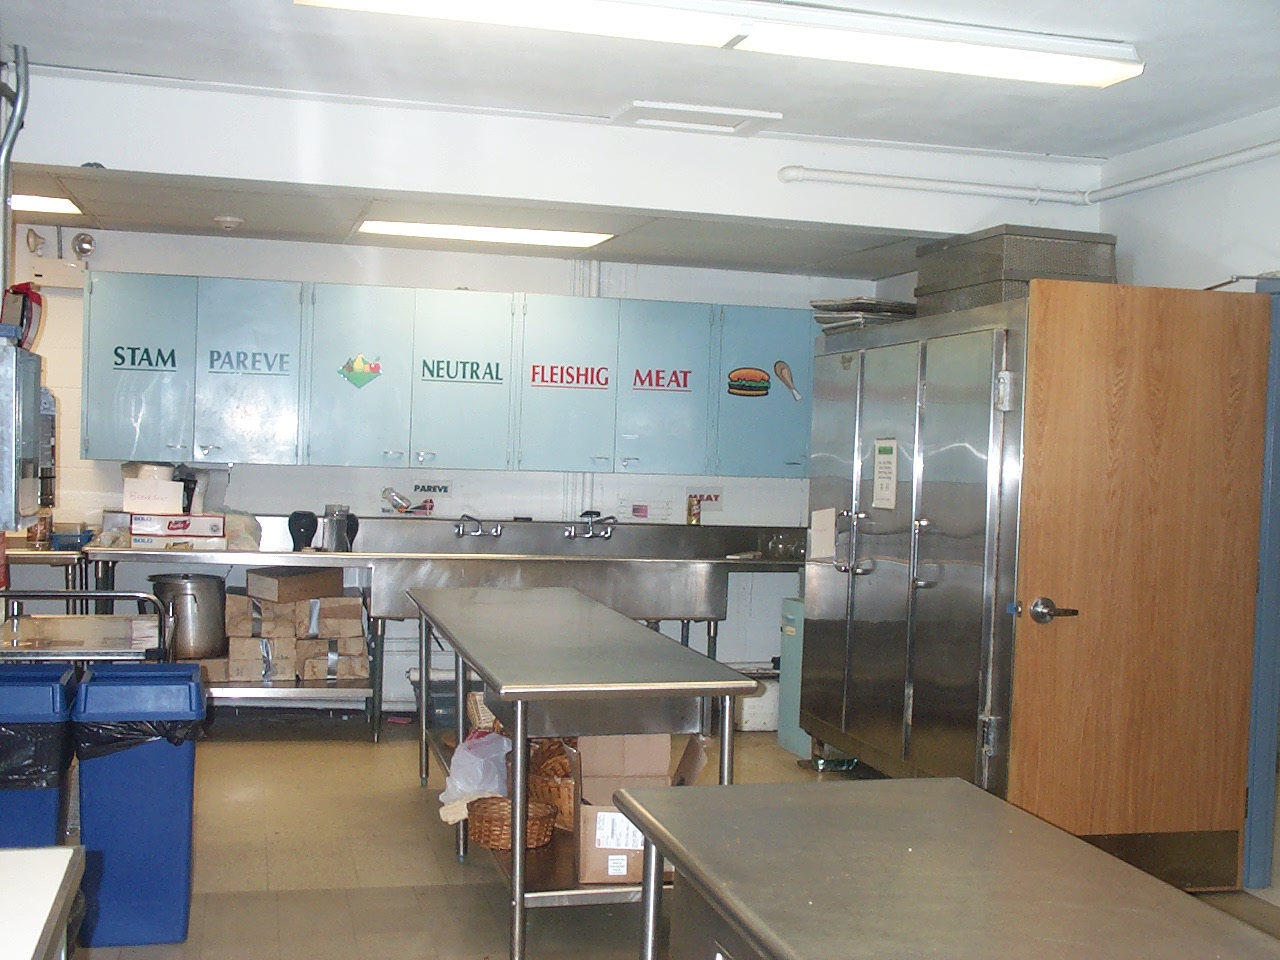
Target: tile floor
{"type": "Point", "coordinates": [310, 842]}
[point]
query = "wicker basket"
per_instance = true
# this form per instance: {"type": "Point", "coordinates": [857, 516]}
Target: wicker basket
{"type": "Point", "coordinates": [489, 823]}
{"type": "Point", "coordinates": [558, 792]}
{"type": "Point", "coordinates": [480, 716]}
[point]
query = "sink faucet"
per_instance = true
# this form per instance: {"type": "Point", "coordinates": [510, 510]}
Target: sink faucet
{"type": "Point", "coordinates": [460, 528]}
{"type": "Point", "coordinates": [596, 527]}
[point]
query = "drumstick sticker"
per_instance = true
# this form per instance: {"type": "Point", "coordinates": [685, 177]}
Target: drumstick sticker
{"type": "Point", "coordinates": [784, 374]}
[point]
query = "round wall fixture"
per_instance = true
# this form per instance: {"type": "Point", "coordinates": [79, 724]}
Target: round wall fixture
{"type": "Point", "coordinates": [228, 222]}
{"type": "Point", "coordinates": [82, 245]}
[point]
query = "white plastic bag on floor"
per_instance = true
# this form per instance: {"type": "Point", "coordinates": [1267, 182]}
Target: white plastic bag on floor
{"type": "Point", "coordinates": [478, 769]}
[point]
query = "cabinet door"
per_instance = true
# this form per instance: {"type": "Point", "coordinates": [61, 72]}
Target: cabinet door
{"type": "Point", "coordinates": [763, 423]}
{"type": "Point", "coordinates": [248, 333]}
{"type": "Point", "coordinates": [462, 387]}
{"type": "Point", "coordinates": [139, 367]}
{"type": "Point", "coordinates": [360, 377]}
{"type": "Point", "coordinates": [664, 362]}
{"type": "Point", "coordinates": [568, 383]}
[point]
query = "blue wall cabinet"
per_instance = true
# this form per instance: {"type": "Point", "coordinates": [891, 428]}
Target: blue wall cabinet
{"type": "Point", "coordinates": [139, 367]}
{"type": "Point", "coordinates": [664, 393]}
{"type": "Point", "coordinates": [360, 376]}
{"type": "Point", "coordinates": [568, 383]}
{"type": "Point", "coordinates": [463, 380]}
{"type": "Point", "coordinates": [762, 422]}
{"type": "Point", "coordinates": [248, 371]}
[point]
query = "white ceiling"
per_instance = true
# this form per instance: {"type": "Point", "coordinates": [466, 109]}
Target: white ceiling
{"type": "Point", "coordinates": [1208, 62]}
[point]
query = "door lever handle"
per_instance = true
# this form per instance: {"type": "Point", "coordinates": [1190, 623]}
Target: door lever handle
{"type": "Point", "coordinates": [1043, 610]}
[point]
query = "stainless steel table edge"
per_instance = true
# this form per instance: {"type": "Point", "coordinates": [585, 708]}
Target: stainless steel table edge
{"type": "Point", "coordinates": [660, 845]}
{"type": "Point", "coordinates": [53, 943]}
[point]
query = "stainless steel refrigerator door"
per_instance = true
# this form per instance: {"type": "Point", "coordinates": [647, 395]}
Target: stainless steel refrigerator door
{"type": "Point", "coordinates": [826, 584]}
{"type": "Point", "coordinates": [876, 696]}
{"type": "Point", "coordinates": [951, 609]}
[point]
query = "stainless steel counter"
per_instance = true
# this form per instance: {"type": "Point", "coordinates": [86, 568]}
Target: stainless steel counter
{"type": "Point", "coordinates": [904, 869]}
{"type": "Point", "coordinates": [563, 664]}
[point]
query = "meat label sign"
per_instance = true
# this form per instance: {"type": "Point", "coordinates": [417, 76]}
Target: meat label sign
{"type": "Point", "coordinates": [568, 376]}
{"type": "Point", "coordinates": [666, 381]}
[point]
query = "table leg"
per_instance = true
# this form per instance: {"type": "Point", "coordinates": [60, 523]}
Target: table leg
{"type": "Point", "coordinates": [424, 699]}
{"type": "Point", "coordinates": [652, 900]}
{"type": "Point", "coordinates": [377, 642]}
{"type": "Point", "coordinates": [684, 633]}
{"type": "Point", "coordinates": [104, 578]}
{"type": "Point", "coordinates": [706, 719]}
{"type": "Point", "coordinates": [460, 729]}
{"type": "Point", "coordinates": [69, 581]}
{"type": "Point", "coordinates": [519, 823]}
{"type": "Point", "coordinates": [726, 741]}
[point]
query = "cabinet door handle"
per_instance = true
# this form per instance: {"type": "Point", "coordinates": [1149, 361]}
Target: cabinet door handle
{"type": "Point", "coordinates": [601, 457]}
{"type": "Point", "coordinates": [176, 446]}
{"type": "Point", "coordinates": [795, 463]}
{"type": "Point", "coordinates": [393, 454]}
{"type": "Point", "coordinates": [627, 461]}
{"type": "Point", "coordinates": [424, 455]}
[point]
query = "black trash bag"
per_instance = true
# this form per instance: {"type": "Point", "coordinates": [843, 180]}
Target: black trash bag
{"type": "Point", "coordinates": [33, 756]}
{"type": "Point", "coordinates": [101, 739]}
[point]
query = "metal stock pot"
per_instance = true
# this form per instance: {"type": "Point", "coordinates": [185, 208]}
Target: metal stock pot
{"type": "Point", "coordinates": [194, 606]}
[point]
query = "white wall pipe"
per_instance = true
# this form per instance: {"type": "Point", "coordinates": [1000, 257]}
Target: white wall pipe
{"type": "Point", "coordinates": [791, 174]}
{"type": "Point", "coordinates": [1262, 151]}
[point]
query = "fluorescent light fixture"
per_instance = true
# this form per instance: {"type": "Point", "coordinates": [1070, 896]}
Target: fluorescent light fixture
{"type": "Point", "coordinates": [781, 28]}
{"type": "Point", "coordinates": [29, 203]}
{"type": "Point", "coordinates": [601, 18]}
{"type": "Point", "coordinates": [952, 48]}
{"type": "Point", "coordinates": [470, 234]}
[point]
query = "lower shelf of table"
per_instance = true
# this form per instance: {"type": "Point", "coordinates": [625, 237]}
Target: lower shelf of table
{"type": "Point", "coordinates": [291, 690]}
{"type": "Point", "coordinates": [551, 872]}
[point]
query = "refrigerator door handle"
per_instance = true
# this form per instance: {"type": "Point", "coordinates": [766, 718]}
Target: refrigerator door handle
{"type": "Point", "coordinates": [845, 564]}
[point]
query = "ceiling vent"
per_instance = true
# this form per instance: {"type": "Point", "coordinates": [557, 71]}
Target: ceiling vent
{"type": "Point", "coordinates": [695, 118]}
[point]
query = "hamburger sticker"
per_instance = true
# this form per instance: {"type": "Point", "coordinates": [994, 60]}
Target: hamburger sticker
{"type": "Point", "coordinates": [748, 382]}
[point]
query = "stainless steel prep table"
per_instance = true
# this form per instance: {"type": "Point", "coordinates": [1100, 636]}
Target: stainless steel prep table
{"type": "Point", "coordinates": [557, 663]}
{"type": "Point", "coordinates": [77, 637]}
{"type": "Point", "coordinates": [75, 567]}
{"type": "Point", "coordinates": [904, 869]}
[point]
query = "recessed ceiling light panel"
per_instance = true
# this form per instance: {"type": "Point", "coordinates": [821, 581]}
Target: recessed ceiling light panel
{"type": "Point", "coordinates": [695, 117]}
{"type": "Point", "coordinates": [30, 203]}
{"type": "Point", "coordinates": [474, 234]}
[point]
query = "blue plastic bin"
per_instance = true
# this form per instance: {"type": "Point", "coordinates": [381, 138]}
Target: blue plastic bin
{"type": "Point", "coordinates": [35, 752]}
{"type": "Point", "coordinates": [136, 799]}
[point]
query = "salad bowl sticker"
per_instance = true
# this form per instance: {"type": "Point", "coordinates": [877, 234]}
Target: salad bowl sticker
{"type": "Point", "coordinates": [358, 371]}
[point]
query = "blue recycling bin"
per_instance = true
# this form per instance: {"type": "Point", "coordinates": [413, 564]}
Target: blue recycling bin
{"type": "Point", "coordinates": [35, 752]}
{"type": "Point", "coordinates": [135, 727]}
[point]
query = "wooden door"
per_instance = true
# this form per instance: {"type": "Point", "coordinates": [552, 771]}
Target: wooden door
{"type": "Point", "coordinates": [1141, 482]}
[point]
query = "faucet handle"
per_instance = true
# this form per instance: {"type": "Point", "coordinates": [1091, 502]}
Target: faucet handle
{"type": "Point", "coordinates": [589, 514]}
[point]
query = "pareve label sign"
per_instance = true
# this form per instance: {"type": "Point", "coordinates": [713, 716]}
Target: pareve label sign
{"type": "Point", "coordinates": [254, 362]}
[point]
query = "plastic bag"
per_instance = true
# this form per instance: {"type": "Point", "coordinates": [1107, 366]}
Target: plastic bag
{"type": "Point", "coordinates": [33, 756]}
{"type": "Point", "coordinates": [103, 739]}
{"type": "Point", "coordinates": [478, 769]}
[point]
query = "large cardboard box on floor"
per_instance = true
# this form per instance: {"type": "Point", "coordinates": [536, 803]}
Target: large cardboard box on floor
{"type": "Point", "coordinates": [610, 848]}
{"type": "Point", "coordinates": [287, 584]}
{"type": "Point", "coordinates": [251, 617]}
{"type": "Point", "coordinates": [329, 617]}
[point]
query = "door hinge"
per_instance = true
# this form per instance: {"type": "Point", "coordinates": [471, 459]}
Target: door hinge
{"type": "Point", "coordinates": [991, 730]}
{"type": "Point", "coordinates": [1006, 391]}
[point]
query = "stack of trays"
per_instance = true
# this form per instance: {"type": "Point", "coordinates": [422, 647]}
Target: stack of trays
{"type": "Point", "coordinates": [834, 315]}
{"type": "Point", "coordinates": [994, 265]}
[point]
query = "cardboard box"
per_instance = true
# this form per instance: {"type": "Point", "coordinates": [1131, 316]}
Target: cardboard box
{"type": "Point", "coordinates": [199, 544]}
{"type": "Point", "coordinates": [286, 584]}
{"type": "Point", "coordinates": [143, 495]}
{"type": "Point", "coordinates": [633, 755]}
{"type": "Point", "coordinates": [347, 668]}
{"type": "Point", "coordinates": [598, 791]}
{"type": "Point", "coordinates": [312, 647]}
{"type": "Point", "coordinates": [178, 525]}
{"type": "Point", "coordinates": [330, 617]}
{"type": "Point", "coordinates": [250, 617]}
{"type": "Point", "coordinates": [610, 847]}
{"type": "Point", "coordinates": [213, 671]}
{"type": "Point", "coordinates": [246, 648]}
{"type": "Point", "coordinates": [254, 669]}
